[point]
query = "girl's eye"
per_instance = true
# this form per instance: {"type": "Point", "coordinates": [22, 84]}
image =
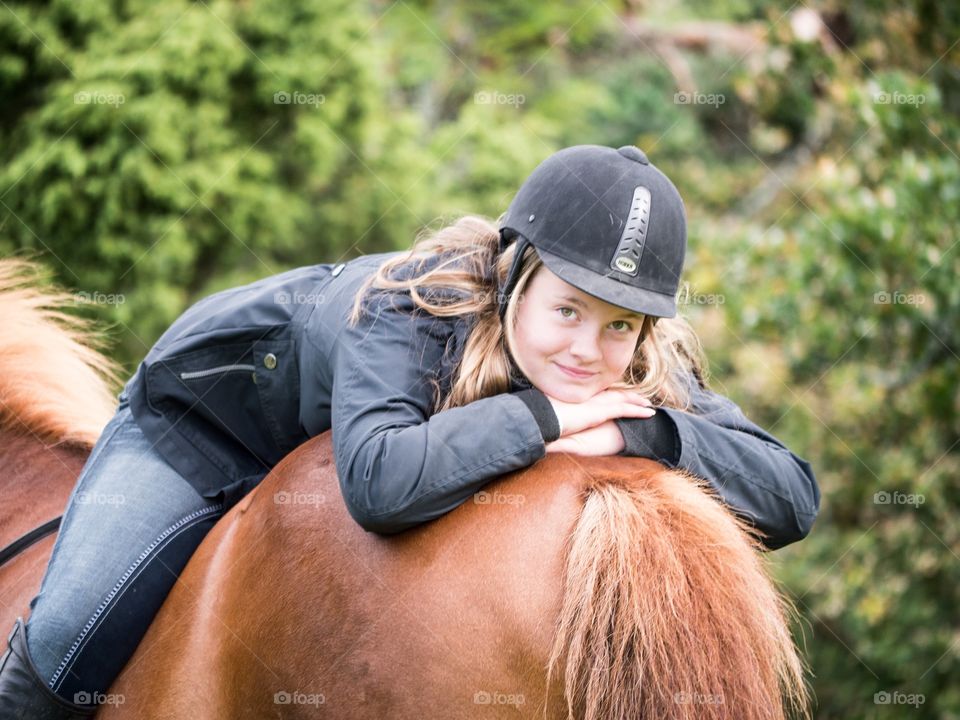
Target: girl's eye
{"type": "Point", "coordinates": [568, 313]}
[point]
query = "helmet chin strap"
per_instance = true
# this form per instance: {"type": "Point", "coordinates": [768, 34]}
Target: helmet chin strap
{"type": "Point", "coordinates": [503, 292]}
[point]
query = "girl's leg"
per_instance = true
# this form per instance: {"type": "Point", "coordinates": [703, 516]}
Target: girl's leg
{"type": "Point", "coordinates": [130, 526]}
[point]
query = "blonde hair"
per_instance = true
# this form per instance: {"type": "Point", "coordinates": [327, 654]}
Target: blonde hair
{"type": "Point", "coordinates": [465, 280]}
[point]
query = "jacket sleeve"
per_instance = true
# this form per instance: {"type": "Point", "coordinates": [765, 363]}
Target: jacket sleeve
{"type": "Point", "coordinates": [753, 472]}
{"type": "Point", "coordinates": [398, 465]}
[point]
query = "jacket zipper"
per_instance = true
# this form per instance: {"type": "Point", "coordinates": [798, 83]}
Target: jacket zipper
{"type": "Point", "coordinates": [214, 371]}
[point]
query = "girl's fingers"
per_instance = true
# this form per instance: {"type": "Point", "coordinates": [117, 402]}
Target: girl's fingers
{"type": "Point", "coordinates": [639, 411]}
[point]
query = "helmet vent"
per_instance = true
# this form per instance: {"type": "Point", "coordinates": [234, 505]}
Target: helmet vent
{"type": "Point", "coordinates": [630, 248]}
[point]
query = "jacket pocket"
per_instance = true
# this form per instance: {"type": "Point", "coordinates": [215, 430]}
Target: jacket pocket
{"type": "Point", "coordinates": [211, 397]}
{"type": "Point", "coordinates": [219, 370]}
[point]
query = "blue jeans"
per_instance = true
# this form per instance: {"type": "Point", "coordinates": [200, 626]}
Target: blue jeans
{"type": "Point", "coordinates": [130, 526]}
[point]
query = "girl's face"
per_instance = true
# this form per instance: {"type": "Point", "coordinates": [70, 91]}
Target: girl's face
{"type": "Point", "coordinates": [560, 330]}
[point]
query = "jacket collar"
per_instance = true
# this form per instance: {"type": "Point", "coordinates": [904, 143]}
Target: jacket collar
{"type": "Point", "coordinates": [518, 380]}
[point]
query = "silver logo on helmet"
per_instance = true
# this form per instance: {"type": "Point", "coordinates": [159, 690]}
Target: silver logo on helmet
{"type": "Point", "coordinates": [630, 248]}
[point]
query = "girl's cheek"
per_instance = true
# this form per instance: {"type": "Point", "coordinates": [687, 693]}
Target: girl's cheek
{"type": "Point", "coordinates": [618, 358]}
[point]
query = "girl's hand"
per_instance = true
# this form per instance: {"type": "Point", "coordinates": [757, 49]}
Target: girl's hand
{"type": "Point", "coordinates": [597, 410]}
{"type": "Point", "coordinates": [603, 439]}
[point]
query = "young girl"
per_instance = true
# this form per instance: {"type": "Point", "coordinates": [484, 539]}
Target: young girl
{"type": "Point", "coordinates": [437, 370]}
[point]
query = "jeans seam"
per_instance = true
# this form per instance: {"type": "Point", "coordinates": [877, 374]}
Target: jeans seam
{"type": "Point", "coordinates": [126, 586]}
{"type": "Point", "coordinates": [104, 606]}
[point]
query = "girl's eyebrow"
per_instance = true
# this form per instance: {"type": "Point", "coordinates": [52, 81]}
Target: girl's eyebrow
{"type": "Point", "coordinates": [573, 300]}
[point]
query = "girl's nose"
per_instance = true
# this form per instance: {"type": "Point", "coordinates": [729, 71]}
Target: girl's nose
{"type": "Point", "coordinates": [585, 348]}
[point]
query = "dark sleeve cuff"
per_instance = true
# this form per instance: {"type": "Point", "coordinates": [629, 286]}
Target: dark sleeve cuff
{"type": "Point", "coordinates": [543, 413]}
{"type": "Point", "coordinates": [655, 437]}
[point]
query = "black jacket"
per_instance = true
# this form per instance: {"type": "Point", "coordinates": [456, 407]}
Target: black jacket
{"type": "Point", "coordinates": [246, 375]}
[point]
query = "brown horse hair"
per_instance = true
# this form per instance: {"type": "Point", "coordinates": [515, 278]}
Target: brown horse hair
{"type": "Point", "coordinates": [54, 381]}
{"type": "Point", "coordinates": [668, 613]}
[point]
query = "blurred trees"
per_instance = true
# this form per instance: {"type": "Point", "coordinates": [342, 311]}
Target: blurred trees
{"type": "Point", "coordinates": [145, 152]}
{"type": "Point", "coordinates": [158, 151]}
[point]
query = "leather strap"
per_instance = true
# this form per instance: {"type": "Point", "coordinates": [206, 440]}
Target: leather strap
{"type": "Point", "coordinates": [28, 539]}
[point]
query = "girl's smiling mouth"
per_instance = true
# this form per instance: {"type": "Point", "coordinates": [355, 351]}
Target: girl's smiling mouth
{"type": "Point", "coordinates": [572, 372]}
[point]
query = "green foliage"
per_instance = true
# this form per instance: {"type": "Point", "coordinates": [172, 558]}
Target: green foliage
{"type": "Point", "coordinates": [154, 146]}
{"type": "Point", "coordinates": [843, 295]}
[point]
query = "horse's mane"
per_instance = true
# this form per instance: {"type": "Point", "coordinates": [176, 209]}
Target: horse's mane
{"type": "Point", "coordinates": [54, 381]}
{"type": "Point", "coordinates": [669, 612]}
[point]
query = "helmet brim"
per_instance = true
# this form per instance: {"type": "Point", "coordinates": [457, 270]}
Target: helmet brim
{"type": "Point", "coordinates": [609, 289]}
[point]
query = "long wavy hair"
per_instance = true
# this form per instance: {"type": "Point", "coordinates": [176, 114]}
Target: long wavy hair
{"type": "Point", "coordinates": [457, 271]}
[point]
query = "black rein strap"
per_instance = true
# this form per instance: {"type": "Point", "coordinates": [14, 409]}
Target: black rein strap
{"type": "Point", "coordinates": [25, 541]}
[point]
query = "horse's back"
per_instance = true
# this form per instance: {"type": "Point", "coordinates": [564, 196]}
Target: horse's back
{"type": "Point", "coordinates": [628, 580]}
{"type": "Point", "coordinates": [290, 609]}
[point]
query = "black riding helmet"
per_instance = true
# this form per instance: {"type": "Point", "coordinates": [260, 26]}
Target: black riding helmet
{"type": "Point", "coordinates": [607, 222]}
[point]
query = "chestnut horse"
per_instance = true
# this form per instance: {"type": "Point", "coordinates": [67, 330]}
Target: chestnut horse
{"type": "Point", "coordinates": [596, 588]}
